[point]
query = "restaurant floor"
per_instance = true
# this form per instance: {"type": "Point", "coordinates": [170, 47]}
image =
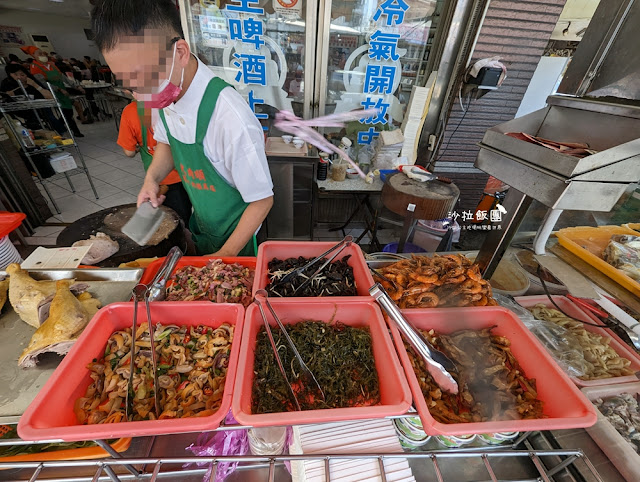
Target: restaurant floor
{"type": "Point", "coordinates": [118, 179]}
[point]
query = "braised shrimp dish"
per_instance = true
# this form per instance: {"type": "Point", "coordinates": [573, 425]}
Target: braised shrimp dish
{"type": "Point", "coordinates": [440, 281]}
{"type": "Point", "coordinates": [192, 367]}
{"type": "Point", "coordinates": [493, 385]}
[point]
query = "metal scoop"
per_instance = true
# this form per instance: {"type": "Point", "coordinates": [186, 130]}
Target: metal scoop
{"type": "Point", "coordinates": [309, 378]}
{"type": "Point", "coordinates": [438, 363]}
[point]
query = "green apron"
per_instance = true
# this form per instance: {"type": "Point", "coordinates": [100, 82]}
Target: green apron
{"type": "Point", "coordinates": [217, 206]}
{"type": "Point", "coordinates": [145, 155]}
{"type": "Point", "coordinates": [54, 77]}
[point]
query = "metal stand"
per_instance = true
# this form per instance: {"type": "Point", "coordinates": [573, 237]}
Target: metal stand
{"type": "Point", "coordinates": [370, 219]}
{"type": "Point", "coordinates": [34, 105]}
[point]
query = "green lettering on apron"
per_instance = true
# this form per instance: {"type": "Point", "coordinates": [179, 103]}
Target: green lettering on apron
{"type": "Point", "coordinates": [217, 206]}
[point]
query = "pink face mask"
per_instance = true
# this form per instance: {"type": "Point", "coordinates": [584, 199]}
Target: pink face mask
{"type": "Point", "coordinates": [167, 92]}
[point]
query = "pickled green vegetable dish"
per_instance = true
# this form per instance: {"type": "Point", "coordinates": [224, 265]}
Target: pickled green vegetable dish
{"type": "Point", "coordinates": [340, 357]}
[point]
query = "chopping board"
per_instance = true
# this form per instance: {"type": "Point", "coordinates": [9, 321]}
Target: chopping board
{"type": "Point", "coordinates": [433, 199]}
{"type": "Point", "coordinates": [110, 221]}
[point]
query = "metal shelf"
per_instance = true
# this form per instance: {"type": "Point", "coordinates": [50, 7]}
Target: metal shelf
{"type": "Point", "coordinates": [158, 468]}
{"type": "Point", "coordinates": [34, 105]}
{"type": "Point", "coordinates": [27, 105]}
{"type": "Point", "coordinates": [154, 458]}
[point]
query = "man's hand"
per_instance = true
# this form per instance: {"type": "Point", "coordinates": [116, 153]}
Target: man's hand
{"type": "Point", "coordinates": [151, 192]}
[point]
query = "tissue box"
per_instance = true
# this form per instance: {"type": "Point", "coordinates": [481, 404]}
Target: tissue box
{"type": "Point", "coordinates": [63, 163]}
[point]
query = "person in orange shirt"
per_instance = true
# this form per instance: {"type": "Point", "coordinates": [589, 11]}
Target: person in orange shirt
{"type": "Point", "coordinates": [133, 138]}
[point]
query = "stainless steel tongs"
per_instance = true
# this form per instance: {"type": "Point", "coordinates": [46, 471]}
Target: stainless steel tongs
{"type": "Point", "coordinates": [158, 287]}
{"type": "Point", "coordinates": [302, 269]}
{"type": "Point", "coordinates": [438, 363]}
{"type": "Point", "coordinates": [340, 246]}
{"type": "Point", "coordinates": [141, 291]}
{"type": "Point", "coordinates": [306, 373]}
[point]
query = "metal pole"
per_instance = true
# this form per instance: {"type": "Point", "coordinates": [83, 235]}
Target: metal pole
{"type": "Point", "coordinates": [109, 449]}
{"type": "Point", "coordinates": [35, 111]}
{"type": "Point", "coordinates": [497, 241]}
{"type": "Point", "coordinates": [452, 57]}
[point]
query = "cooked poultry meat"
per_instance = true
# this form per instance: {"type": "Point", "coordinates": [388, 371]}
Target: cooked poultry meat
{"type": "Point", "coordinates": [68, 315]}
{"type": "Point", "coordinates": [4, 288]}
{"type": "Point", "coordinates": [26, 294]}
{"type": "Point", "coordinates": [102, 247]}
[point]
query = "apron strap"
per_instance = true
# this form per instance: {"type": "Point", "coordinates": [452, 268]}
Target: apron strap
{"type": "Point", "coordinates": [207, 106]}
{"type": "Point", "coordinates": [143, 127]}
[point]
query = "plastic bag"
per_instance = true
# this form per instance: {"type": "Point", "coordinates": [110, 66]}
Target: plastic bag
{"type": "Point", "coordinates": [623, 252]}
{"type": "Point", "coordinates": [561, 344]}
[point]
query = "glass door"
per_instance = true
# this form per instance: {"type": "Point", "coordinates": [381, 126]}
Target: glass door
{"type": "Point", "coordinates": [373, 51]}
{"type": "Point", "coordinates": [264, 48]}
{"type": "Point", "coordinates": [316, 57]}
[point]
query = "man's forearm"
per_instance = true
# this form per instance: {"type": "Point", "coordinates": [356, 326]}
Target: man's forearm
{"type": "Point", "coordinates": [162, 163]}
{"type": "Point", "coordinates": [250, 221]}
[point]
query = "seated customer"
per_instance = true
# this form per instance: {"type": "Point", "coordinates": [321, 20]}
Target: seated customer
{"type": "Point", "coordinates": [16, 75]}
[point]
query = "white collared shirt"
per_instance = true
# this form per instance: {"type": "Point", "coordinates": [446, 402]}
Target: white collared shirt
{"type": "Point", "coordinates": [234, 142]}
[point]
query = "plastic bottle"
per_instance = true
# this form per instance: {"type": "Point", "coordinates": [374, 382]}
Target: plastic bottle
{"type": "Point", "coordinates": [323, 166]}
{"type": "Point", "coordinates": [27, 136]}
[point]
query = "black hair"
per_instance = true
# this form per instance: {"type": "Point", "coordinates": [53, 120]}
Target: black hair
{"type": "Point", "coordinates": [112, 19]}
{"type": "Point", "coordinates": [14, 58]}
{"type": "Point", "coordinates": [14, 68]}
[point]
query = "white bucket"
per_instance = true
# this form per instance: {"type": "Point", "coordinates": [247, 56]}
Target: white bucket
{"type": "Point", "coordinates": [8, 253]}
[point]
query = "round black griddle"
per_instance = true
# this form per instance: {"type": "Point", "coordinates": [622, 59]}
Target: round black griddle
{"type": "Point", "coordinates": [129, 249]}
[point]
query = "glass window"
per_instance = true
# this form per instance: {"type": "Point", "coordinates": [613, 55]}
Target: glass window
{"type": "Point", "coordinates": [377, 51]}
{"type": "Point", "coordinates": [258, 47]}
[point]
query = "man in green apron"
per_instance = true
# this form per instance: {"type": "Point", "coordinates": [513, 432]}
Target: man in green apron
{"type": "Point", "coordinates": [204, 128]}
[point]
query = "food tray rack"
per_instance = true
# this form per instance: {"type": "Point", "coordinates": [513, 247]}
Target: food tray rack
{"type": "Point", "coordinates": [526, 463]}
{"type": "Point", "coordinates": [19, 387]}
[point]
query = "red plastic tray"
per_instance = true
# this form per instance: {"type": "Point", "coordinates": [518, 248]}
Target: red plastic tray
{"type": "Point", "coordinates": [293, 249]}
{"type": "Point", "coordinates": [394, 391]}
{"type": "Point", "coordinates": [198, 261]}
{"type": "Point", "coordinates": [10, 221]}
{"type": "Point", "coordinates": [573, 310]}
{"type": "Point", "coordinates": [51, 416]}
{"type": "Point", "coordinates": [564, 405]}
